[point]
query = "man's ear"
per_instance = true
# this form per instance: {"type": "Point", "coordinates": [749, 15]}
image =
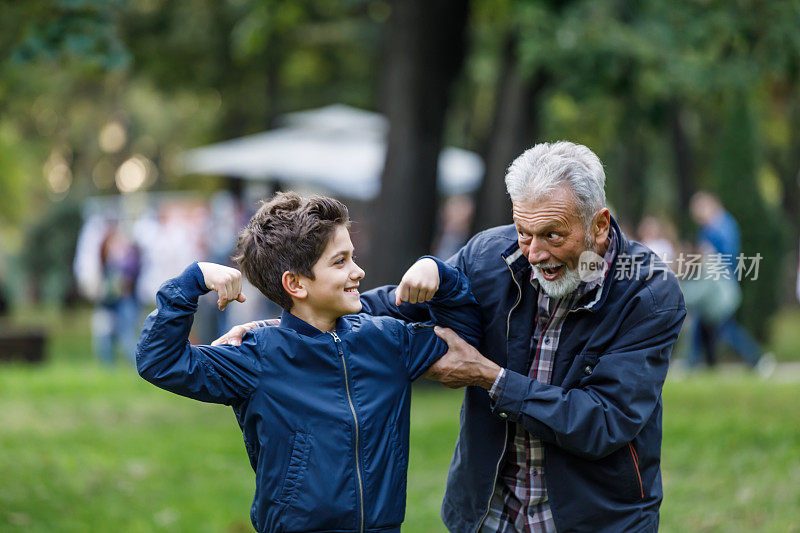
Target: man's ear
{"type": "Point", "coordinates": [601, 226]}
{"type": "Point", "coordinates": [293, 285]}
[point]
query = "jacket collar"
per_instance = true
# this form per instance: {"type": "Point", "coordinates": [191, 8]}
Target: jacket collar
{"type": "Point", "coordinates": [518, 263]}
{"type": "Point", "coordinates": [289, 321]}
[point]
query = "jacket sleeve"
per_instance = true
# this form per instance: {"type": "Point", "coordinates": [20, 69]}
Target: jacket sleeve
{"type": "Point", "coordinates": [380, 302]}
{"type": "Point", "coordinates": [420, 347]}
{"type": "Point", "coordinates": [612, 403]}
{"type": "Point", "coordinates": [164, 357]}
{"type": "Point", "coordinates": [454, 306]}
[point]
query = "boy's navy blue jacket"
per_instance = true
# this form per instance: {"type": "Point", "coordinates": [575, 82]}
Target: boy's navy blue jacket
{"type": "Point", "coordinates": [325, 416]}
{"type": "Point", "coordinates": [600, 418]}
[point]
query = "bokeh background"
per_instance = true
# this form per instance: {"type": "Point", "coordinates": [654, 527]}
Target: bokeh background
{"type": "Point", "coordinates": [140, 135]}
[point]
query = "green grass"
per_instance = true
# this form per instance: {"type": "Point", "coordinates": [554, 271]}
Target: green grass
{"type": "Point", "coordinates": [785, 335]}
{"type": "Point", "coordinates": [86, 449]}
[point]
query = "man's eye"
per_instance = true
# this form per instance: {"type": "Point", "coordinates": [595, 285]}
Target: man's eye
{"type": "Point", "coordinates": [339, 262]}
{"type": "Point", "coordinates": [553, 235]}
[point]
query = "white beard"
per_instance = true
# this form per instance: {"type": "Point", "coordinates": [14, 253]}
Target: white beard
{"type": "Point", "coordinates": [563, 286]}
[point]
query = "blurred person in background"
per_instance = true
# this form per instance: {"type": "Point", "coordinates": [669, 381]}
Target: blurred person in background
{"type": "Point", "coordinates": [660, 236]}
{"type": "Point", "coordinates": [456, 218]}
{"type": "Point", "coordinates": [116, 319]}
{"type": "Point", "coordinates": [718, 242]}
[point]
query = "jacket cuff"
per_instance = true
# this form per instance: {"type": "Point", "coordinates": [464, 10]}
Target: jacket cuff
{"type": "Point", "coordinates": [448, 278]}
{"type": "Point", "coordinates": [508, 404]}
{"type": "Point", "coordinates": [191, 282]}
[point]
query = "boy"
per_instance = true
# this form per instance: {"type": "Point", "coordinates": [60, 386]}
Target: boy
{"type": "Point", "coordinates": [323, 399]}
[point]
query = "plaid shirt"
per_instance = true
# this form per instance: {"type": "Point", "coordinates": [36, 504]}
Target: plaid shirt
{"type": "Point", "coordinates": [520, 502]}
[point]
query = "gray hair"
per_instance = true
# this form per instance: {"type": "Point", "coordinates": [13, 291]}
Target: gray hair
{"type": "Point", "coordinates": [540, 170]}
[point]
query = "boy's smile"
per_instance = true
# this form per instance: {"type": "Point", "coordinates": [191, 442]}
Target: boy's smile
{"type": "Point", "coordinates": [334, 290]}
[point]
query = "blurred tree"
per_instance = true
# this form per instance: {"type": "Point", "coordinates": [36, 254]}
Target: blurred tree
{"type": "Point", "coordinates": [735, 179]}
{"type": "Point", "coordinates": [260, 57]}
{"type": "Point", "coordinates": [48, 252]}
{"type": "Point", "coordinates": [517, 105]}
{"type": "Point", "coordinates": [424, 52]}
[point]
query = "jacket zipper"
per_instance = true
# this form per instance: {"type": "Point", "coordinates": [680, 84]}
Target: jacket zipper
{"type": "Point", "coordinates": [505, 439]}
{"type": "Point", "coordinates": [338, 341]}
{"type": "Point", "coordinates": [636, 467]}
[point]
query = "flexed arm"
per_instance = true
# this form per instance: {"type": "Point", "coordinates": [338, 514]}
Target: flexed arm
{"type": "Point", "coordinates": [164, 356]}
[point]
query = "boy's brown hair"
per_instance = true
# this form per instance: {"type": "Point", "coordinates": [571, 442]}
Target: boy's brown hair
{"type": "Point", "coordinates": [288, 232]}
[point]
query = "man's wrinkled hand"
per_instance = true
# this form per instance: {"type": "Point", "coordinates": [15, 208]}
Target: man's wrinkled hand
{"type": "Point", "coordinates": [419, 283]}
{"type": "Point", "coordinates": [235, 335]}
{"type": "Point", "coordinates": [462, 365]}
{"type": "Point", "coordinates": [226, 281]}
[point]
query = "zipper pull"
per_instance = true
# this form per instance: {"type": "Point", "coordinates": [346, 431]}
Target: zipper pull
{"type": "Point", "coordinates": [337, 341]}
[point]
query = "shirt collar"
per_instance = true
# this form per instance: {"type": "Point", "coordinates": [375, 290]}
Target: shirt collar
{"type": "Point", "coordinates": [290, 321]}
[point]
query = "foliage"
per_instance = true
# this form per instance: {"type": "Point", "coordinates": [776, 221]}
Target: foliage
{"type": "Point", "coordinates": [182, 73]}
{"type": "Point", "coordinates": [49, 249]}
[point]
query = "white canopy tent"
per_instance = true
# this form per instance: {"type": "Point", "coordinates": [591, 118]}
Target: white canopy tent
{"type": "Point", "coordinates": [337, 148]}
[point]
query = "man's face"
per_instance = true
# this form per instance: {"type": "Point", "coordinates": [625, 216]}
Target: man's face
{"type": "Point", "coordinates": [553, 237]}
{"type": "Point", "coordinates": [334, 290]}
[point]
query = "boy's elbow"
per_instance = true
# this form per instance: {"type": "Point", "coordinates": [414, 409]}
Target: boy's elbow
{"type": "Point", "coordinates": [144, 369]}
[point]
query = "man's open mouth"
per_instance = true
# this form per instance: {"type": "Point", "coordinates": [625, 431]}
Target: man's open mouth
{"type": "Point", "coordinates": [551, 272]}
{"type": "Point", "coordinates": [353, 290]}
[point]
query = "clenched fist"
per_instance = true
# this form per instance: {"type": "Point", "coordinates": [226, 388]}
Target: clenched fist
{"type": "Point", "coordinates": [225, 280]}
{"type": "Point", "coordinates": [419, 283]}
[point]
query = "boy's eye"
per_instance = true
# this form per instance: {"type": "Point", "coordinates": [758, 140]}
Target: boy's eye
{"type": "Point", "coordinates": [339, 262]}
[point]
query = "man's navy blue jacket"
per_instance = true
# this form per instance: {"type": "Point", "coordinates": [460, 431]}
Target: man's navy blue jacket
{"type": "Point", "coordinates": [600, 418]}
{"type": "Point", "coordinates": [325, 416]}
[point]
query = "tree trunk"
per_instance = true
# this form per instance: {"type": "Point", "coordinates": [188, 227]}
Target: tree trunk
{"type": "Point", "coordinates": [514, 129]}
{"type": "Point", "coordinates": [682, 157]}
{"type": "Point", "coordinates": [789, 173]}
{"type": "Point", "coordinates": [424, 52]}
{"type": "Point", "coordinates": [630, 198]}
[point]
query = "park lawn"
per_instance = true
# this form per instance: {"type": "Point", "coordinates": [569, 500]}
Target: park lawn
{"type": "Point", "coordinates": [88, 449]}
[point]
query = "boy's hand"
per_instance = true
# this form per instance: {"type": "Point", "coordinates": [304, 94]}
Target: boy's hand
{"type": "Point", "coordinates": [225, 280]}
{"type": "Point", "coordinates": [419, 283]}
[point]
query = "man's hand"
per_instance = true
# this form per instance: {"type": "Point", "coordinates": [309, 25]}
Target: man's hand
{"type": "Point", "coordinates": [419, 283]}
{"type": "Point", "coordinates": [225, 280]}
{"type": "Point", "coordinates": [462, 365]}
{"type": "Point", "coordinates": [236, 334]}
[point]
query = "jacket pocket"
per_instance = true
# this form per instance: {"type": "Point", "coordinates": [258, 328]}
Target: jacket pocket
{"type": "Point", "coordinates": [296, 468]}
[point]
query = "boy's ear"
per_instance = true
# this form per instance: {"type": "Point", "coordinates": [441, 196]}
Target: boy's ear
{"type": "Point", "coordinates": [293, 285]}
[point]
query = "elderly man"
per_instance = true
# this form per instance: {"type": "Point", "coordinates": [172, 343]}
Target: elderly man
{"type": "Point", "coordinates": [561, 419]}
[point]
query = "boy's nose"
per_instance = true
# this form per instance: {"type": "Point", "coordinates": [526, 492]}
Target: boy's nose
{"type": "Point", "coordinates": [358, 273]}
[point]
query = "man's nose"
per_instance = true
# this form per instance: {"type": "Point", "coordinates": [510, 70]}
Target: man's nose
{"type": "Point", "coordinates": [536, 253]}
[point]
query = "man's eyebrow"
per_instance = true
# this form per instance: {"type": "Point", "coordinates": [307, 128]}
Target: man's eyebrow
{"type": "Point", "coordinates": [545, 227]}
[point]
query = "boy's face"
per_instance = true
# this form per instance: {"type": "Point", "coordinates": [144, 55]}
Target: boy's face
{"type": "Point", "coordinates": [334, 290]}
